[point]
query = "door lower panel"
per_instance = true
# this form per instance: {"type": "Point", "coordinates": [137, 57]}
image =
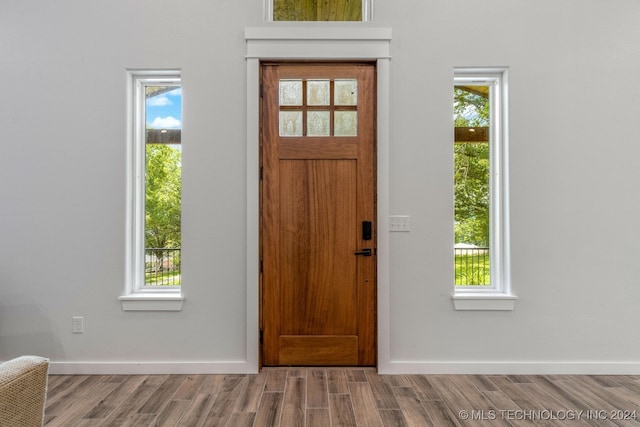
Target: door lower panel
{"type": "Point", "coordinates": [319, 350]}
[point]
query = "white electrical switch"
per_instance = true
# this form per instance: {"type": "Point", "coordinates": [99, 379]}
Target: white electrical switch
{"type": "Point", "coordinates": [77, 325]}
{"type": "Point", "coordinates": [400, 223]}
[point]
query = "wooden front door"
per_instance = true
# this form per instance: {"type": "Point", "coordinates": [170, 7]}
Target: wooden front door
{"type": "Point", "coordinates": [318, 243]}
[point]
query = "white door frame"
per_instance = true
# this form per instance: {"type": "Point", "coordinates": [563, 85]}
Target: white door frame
{"type": "Point", "coordinates": [320, 42]}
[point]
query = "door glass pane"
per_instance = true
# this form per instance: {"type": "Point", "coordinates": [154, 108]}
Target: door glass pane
{"type": "Point", "coordinates": [346, 92]}
{"type": "Point", "coordinates": [345, 123]}
{"type": "Point", "coordinates": [290, 123]}
{"type": "Point", "coordinates": [318, 123]}
{"type": "Point", "coordinates": [318, 92]}
{"type": "Point", "coordinates": [290, 92]}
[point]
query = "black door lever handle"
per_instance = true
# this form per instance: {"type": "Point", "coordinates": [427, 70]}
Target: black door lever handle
{"type": "Point", "coordinates": [364, 252]}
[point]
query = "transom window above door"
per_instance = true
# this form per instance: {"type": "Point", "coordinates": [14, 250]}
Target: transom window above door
{"type": "Point", "coordinates": [318, 10]}
{"type": "Point", "coordinates": [318, 107]}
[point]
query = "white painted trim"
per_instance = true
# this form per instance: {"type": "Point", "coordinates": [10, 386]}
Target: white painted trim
{"type": "Point", "coordinates": [488, 301]}
{"type": "Point", "coordinates": [149, 368]}
{"type": "Point", "coordinates": [329, 43]}
{"type": "Point", "coordinates": [512, 368]}
{"type": "Point", "coordinates": [152, 301]}
{"type": "Point", "coordinates": [392, 368]}
{"type": "Point", "coordinates": [136, 296]}
{"type": "Point", "coordinates": [384, 210]}
{"type": "Point", "coordinates": [268, 10]}
{"type": "Point", "coordinates": [253, 206]}
{"type": "Point", "coordinates": [499, 295]}
{"type": "Point", "coordinates": [271, 36]}
{"type": "Point", "coordinates": [318, 42]}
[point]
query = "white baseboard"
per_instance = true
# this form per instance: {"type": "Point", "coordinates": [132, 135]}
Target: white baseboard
{"type": "Point", "coordinates": [511, 368]}
{"type": "Point", "coordinates": [150, 368]}
{"type": "Point", "coordinates": [392, 368]}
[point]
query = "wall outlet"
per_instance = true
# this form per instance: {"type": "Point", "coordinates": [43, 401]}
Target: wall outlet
{"type": "Point", "coordinates": [77, 325]}
{"type": "Point", "coordinates": [400, 223]}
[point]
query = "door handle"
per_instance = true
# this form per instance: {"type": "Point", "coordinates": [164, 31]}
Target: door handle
{"type": "Point", "coordinates": [364, 252]}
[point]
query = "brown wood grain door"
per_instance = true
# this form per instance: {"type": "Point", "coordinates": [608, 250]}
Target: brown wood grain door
{"type": "Point", "coordinates": [317, 189]}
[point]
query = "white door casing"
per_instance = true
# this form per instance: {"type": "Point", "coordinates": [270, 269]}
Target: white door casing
{"type": "Point", "coordinates": [317, 43]}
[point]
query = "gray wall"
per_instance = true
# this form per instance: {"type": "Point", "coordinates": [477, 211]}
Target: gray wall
{"type": "Point", "coordinates": [574, 167]}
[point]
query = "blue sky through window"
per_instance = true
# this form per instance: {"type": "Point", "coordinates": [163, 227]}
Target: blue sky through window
{"type": "Point", "coordinates": [164, 111]}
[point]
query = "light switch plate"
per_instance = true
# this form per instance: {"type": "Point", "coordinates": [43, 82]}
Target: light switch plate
{"type": "Point", "coordinates": [77, 325]}
{"type": "Point", "coordinates": [400, 223]}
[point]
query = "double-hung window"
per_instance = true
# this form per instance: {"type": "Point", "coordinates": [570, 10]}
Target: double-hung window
{"type": "Point", "coordinates": [481, 210]}
{"type": "Point", "coordinates": [154, 193]}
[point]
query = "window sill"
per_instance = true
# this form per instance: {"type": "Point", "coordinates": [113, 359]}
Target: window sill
{"type": "Point", "coordinates": [152, 302]}
{"type": "Point", "coordinates": [484, 301]}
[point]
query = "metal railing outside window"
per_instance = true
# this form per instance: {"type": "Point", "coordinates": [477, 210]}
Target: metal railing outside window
{"type": "Point", "coordinates": [162, 267]}
{"type": "Point", "coordinates": [472, 266]}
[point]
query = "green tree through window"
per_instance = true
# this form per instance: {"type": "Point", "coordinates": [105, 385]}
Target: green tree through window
{"type": "Point", "coordinates": [317, 10]}
{"type": "Point", "coordinates": [472, 187]}
{"type": "Point", "coordinates": [163, 184]}
{"type": "Point", "coordinates": [163, 195]}
{"type": "Point", "coordinates": [471, 169]}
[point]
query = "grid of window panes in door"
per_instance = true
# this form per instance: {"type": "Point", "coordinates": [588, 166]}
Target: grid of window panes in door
{"type": "Point", "coordinates": [163, 185]}
{"type": "Point", "coordinates": [471, 185]}
{"type": "Point", "coordinates": [317, 108]}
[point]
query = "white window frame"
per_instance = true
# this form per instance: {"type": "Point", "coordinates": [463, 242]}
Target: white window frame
{"type": "Point", "coordinates": [367, 11]}
{"type": "Point", "coordinates": [497, 296]}
{"type": "Point", "coordinates": [137, 296]}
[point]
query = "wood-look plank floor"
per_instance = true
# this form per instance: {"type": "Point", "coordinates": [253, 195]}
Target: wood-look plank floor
{"type": "Point", "coordinates": [332, 397]}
